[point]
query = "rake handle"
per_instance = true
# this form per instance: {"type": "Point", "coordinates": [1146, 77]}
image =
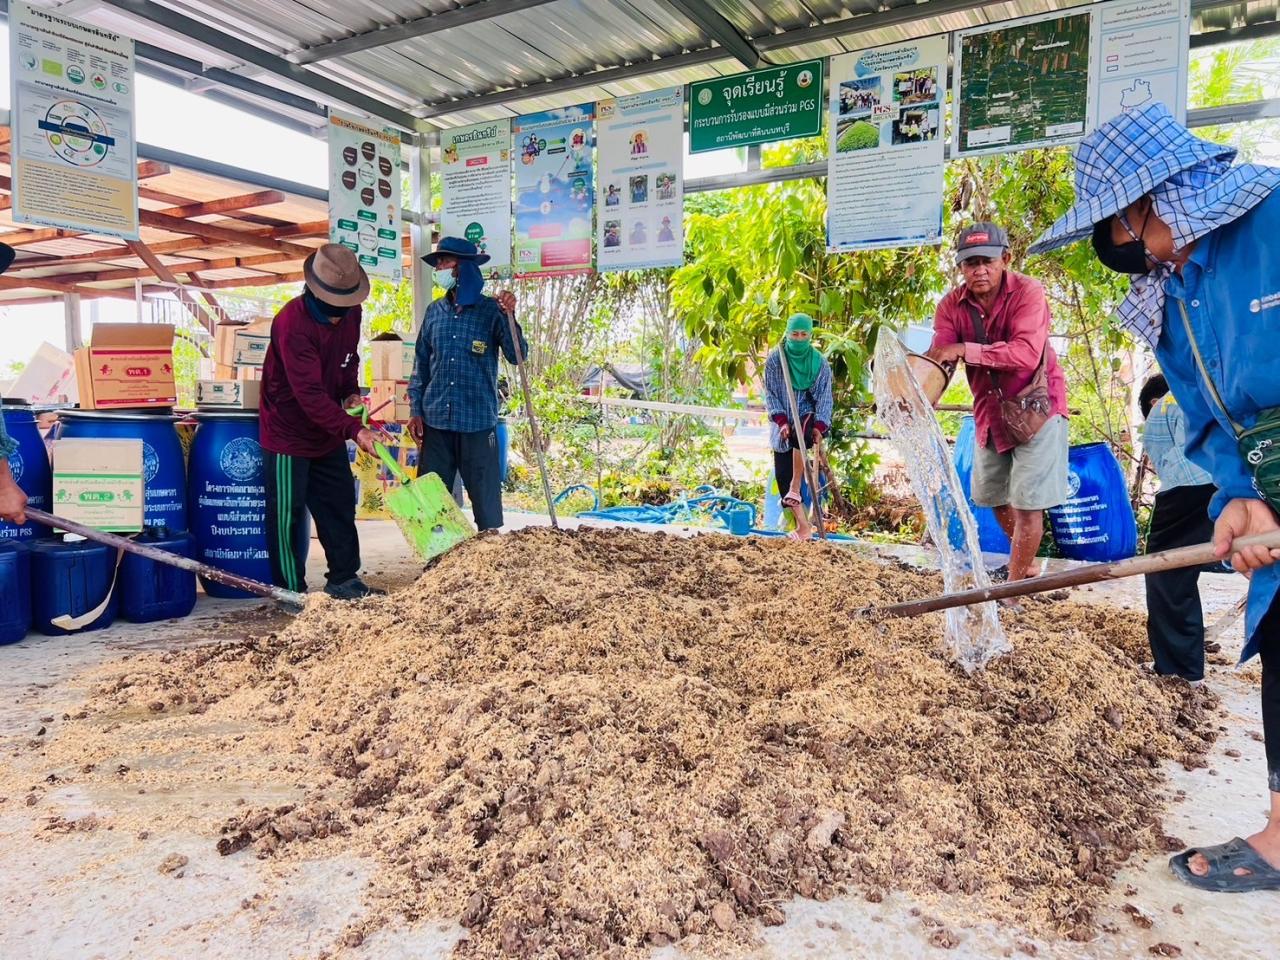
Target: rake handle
{"type": "Point", "coordinates": [224, 577]}
{"type": "Point", "coordinates": [1175, 559]}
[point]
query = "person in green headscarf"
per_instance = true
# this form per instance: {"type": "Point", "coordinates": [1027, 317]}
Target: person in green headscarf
{"type": "Point", "coordinates": [811, 380]}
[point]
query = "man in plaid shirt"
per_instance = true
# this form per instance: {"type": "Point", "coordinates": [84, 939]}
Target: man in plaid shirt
{"type": "Point", "coordinates": [453, 392]}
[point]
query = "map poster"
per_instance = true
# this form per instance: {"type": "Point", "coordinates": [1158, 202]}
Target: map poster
{"type": "Point", "coordinates": [1023, 83]}
{"type": "Point", "coordinates": [1142, 54]}
{"type": "Point", "coordinates": [554, 193]}
{"type": "Point", "coordinates": [476, 175]}
{"type": "Point", "coordinates": [777, 103]}
{"type": "Point", "coordinates": [364, 194]}
{"type": "Point", "coordinates": [641, 197]}
{"type": "Point", "coordinates": [886, 150]}
{"type": "Point", "coordinates": [75, 156]}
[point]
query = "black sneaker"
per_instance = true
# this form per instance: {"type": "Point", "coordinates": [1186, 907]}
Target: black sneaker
{"type": "Point", "coordinates": [353, 589]}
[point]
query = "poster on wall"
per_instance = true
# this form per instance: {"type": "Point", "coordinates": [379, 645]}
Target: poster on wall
{"type": "Point", "coordinates": [778, 103]}
{"type": "Point", "coordinates": [364, 194]}
{"type": "Point", "coordinates": [476, 173]}
{"type": "Point", "coordinates": [75, 156]}
{"type": "Point", "coordinates": [1023, 83]}
{"type": "Point", "coordinates": [1142, 51]}
{"type": "Point", "coordinates": [885, 156]}
{"type": "Point", "coordinates": [641, 193]}
{"type": "Point", "coordinates": [554, 192]}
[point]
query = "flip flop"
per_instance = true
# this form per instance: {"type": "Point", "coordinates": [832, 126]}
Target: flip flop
{"type": "Point", "coordinates": [1224, 860]}
{"type": "Point", "coordinates": [791, 500]}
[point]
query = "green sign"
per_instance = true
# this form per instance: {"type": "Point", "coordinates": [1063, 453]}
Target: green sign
{"type": "Point", "coordinates": [348, 225]}
{"type": "Point", "coordinates": [780, 103]}
{"type": "Point", "coordinates": [366, 215]}
{"type": "Point", "coordinates": [385, 234]}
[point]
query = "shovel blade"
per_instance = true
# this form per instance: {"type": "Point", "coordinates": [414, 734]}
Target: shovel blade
{"type": "Point", "coordinates": [428, 516]}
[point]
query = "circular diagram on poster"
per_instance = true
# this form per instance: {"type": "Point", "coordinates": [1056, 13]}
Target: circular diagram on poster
{"type": "Point", "coordinates": [384, 166]}
{"type": "Point", "coordinates": [76, 128]}
{"type": "Point", "coordinates": [349, 179]}
{"type": "Point", "coordinates": [366, 173]}
{"type": "Point", "coordinates": [384, 189]}
{"type": "Point", "coordinates": [368, 149]}
{"type": "Point", "coordinates": [366, 196]}
{"type": "Point", "coordinates": [368, 236]}
{"type": "Point", "coordinates": [349, 156]}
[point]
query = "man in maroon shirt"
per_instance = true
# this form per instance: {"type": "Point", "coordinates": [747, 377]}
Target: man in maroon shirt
{"type": "Point", "coordinates": [997, 322]}
{"type": "Point", "coordinates": [309, 378]}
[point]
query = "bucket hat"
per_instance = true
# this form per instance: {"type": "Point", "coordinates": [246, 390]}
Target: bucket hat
{"type": "Point", "coordinates": [1121, 162]}
{"type": "Point", "coordinates": [457, 247]}
{"type": "Point", "coordinates": [334, 275]}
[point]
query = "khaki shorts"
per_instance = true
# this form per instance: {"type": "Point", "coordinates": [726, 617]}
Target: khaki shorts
{"type": "Point", "coordinates": [1030, 477]}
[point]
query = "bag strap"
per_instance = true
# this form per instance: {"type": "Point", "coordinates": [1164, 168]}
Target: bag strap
{"type": "Point", "coordinates": [1204, 371]}
{"type": "Point", "coordinates": [980, 331]}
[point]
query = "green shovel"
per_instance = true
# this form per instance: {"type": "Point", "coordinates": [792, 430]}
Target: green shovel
{"type": "Point", "coordinates": [423, 509]}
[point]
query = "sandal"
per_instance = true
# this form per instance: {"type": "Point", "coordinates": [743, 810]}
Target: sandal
{"type": "Point", "coordinates": [1224, 860]}
{"type": "Point", "coordinates": [791, 500]}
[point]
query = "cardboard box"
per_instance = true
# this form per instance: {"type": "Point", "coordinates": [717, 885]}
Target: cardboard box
{"type": "Point", "coordinates": [239, 394]}
{"type": "Point", "coordinates": [48, 377]}
{"type": "Point", "coordinates": [397, 391]}
{"type": "Point", "coordinates": [241, 344]}
{"type": "Point", "coordinates": [127, 365]}
{"type": "Point", "coordinates": [249, 373]}
{"type": "Point", "coordinates": [390, 358]}
{"type": "Point", "coordinates": [99, 483]}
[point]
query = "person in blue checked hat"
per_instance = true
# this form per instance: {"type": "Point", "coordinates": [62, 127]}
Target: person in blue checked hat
{"type": "Point", "coordinates": [453, 392]}
{"type": "Point", "coordinates": [1198, 235]}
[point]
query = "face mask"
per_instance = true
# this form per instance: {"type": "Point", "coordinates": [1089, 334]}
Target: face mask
{"type": "Point", "coordinates": [444, 279]}
{"type": "Point", "coordinates": [328, 309]}
{"type": "Point", "coordinates": [1130, 257]}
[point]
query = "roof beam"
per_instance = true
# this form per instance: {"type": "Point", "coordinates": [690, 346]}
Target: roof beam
{"type": "Point", "coordinates": [1253, 31]}
{"type": "Point", "coordinates": [183, 266]}
{"type": "Point", "coordinates": [182, 25]}
{"type": "Point", "coordinates": [389, 33]}
{"type": "Point", "coordinates": [713, 23]}
{"type": "Point", "coordinates": [210, 231]}
{"type": "Point", "coordinates": [262, 198]}
{"type": "Point", "coordinates": [144, 254]}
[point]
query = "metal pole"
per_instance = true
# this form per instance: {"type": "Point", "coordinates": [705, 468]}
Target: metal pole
{"type": "Point", "coordinates": [810, 469]}
{"type": "Point", "coordinates": [533, 420]}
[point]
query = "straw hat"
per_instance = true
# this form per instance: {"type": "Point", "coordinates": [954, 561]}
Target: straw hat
{"type": "Point", "coordinates": [334, 275]}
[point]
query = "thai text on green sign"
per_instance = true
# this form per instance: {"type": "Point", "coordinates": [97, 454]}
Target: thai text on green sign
{"type": "Point", "coordinates": [779, 103]}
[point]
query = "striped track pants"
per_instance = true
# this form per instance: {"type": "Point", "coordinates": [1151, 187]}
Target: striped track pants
{"type": "Point", "coordinates": [325, 488]}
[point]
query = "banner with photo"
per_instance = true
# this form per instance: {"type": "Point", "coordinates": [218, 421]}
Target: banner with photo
{"type": "Point", "coordinates": [554, 192]}
{"type": "Point", "coordinates": [476, 173]}
{"type": "Point", "coordinates": [885, 155]}
{"type": "Point", "coordinates": [73, 144]}
{"type": "Point", "coordinates": [1048, 80]}
{"type": "Point", "coordinates": [364, 194]}
{"type": "Point", "coordinates": [641, 194]}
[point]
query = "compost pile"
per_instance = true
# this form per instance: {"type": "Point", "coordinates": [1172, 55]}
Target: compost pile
{"type": "Point", "coordinates": [585, 744]}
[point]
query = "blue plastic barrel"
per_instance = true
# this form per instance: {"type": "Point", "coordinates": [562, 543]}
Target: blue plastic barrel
{"type": "Point", "coordinates": [1096, 524]}
{"type": "Point", "coordinates": [15, 591]}
{"type": "Point", "coordinates": [71, 578]}
{"type": "Point", "coordinates": [991, 538]}
{"type": "Point", "coordinates": [163, 471]}
{"type": "Point", "coordinates": [503, 430]}
{"type": "Point", "coordinates": [151, 591]}
{"type": "Point", "coordinates": [29, 465]}
{"type": "Point", "coordinates": [229, 501]}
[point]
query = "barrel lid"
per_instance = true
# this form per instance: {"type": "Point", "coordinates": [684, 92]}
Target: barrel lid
{"type": "Point", "coordinates": [16, 402]}
{"type": "Point", "coordinates": [148, 416]}
{"type": "Point", "coordinates": [224, 413]}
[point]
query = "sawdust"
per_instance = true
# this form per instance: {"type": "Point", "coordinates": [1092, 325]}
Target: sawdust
{"type": "Point", "coordinates": [583, 744]}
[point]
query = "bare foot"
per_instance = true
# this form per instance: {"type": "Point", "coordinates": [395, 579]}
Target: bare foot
{"type": "Point", "coordinates": [804, 531]}
{"type": "Point", "coordinates": [1265, 842]}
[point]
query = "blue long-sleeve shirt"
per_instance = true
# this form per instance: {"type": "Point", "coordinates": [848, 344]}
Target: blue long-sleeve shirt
{"type": "Point", "coordinates": [816, 400]}
{"type": "Point", "coordinates": [1230, 290]}
{"type": "Point", "coordinates": [454, 385]}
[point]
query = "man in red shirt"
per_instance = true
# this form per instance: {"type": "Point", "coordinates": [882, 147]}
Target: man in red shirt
{"type": "Point", "coordinates": [997, 322]}
{"type": "Point", "coordinates": [310, 377]}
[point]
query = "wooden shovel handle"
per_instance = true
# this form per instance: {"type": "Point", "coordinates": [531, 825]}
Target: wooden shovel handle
{"type": "Point", "coordinates": [1090, 573]}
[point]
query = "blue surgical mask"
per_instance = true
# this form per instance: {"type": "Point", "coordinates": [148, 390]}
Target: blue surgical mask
{"type": "Point", "coordinates": [444, 279]}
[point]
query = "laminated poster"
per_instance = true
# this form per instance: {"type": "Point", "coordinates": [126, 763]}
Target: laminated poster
{"type": "Point", "coordinates": [75, 155]}
{"type": "Point", "coordinates": [1142, 50]}
{"type": "Point", "coordinates": [476, 173]}
{"type": "Point", "coordinates": [641, 194]}
{"type": "Point", "coordinates": [885, 157]}
{"type": "Point", "coordinates": [554, 192]}
{"type": "Point", "coordinates": [364, 194]}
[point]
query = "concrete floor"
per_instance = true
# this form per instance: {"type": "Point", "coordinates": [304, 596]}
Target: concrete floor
{"type": "Point", "coordinates": [98, 895]}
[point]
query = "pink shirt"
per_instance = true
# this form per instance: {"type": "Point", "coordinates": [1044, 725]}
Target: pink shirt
{"type": "Point", "coordinates": [1017, 329]}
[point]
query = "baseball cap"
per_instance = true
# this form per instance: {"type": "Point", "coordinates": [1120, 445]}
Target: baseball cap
{"type": "Point", "coordinates": [981, 240]}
